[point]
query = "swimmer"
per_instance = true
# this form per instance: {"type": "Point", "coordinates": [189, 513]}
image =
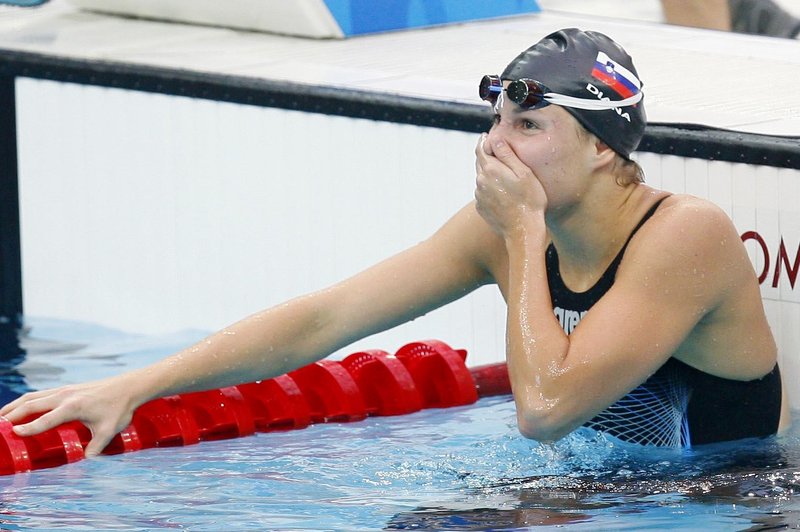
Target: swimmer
{"type": "Point", "coordinates": [630, 309]}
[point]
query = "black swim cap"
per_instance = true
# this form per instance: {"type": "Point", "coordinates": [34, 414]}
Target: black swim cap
{"type": "Point", "coordinates": [588, 64]}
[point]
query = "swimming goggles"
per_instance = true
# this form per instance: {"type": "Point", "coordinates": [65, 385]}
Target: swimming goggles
{"type": "Point", "coordinates": [532, 94]}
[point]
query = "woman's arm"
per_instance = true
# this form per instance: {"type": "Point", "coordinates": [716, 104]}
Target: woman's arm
{"type": "Point", "coordinates": [685, 288]}
{"type": "Point", "coordinates": [441, 269]}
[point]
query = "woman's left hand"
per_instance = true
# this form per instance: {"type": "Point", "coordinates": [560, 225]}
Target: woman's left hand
{"type": "Point", "coordinates": [506, 189]}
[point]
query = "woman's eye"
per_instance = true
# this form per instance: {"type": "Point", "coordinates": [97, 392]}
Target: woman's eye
{"type": "Point", "coordinates": [527, 124]}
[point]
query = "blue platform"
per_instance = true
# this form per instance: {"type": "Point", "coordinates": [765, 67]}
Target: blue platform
{"type": "Point", "coordinates": [357, 17]}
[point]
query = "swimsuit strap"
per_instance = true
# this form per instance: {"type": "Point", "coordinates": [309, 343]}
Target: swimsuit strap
{"type": "Point", "coordinates": [649, 214]}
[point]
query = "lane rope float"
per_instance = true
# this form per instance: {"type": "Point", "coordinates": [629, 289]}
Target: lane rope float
{"type": "Point", "coordinates": [425, 374]}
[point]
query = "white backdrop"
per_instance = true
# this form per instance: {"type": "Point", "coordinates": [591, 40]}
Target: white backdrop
{"type": "Point", "coordinates": [153, 213]}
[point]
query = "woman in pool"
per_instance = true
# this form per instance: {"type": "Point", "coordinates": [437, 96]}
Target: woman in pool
{"type": "Point", "coordinates": [630, 310]}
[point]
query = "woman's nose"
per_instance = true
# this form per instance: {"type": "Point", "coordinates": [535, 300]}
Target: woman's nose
{"type": "Point", "coordinates": [497, 132]}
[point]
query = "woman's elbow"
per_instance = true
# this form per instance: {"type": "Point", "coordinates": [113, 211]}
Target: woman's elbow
{"type": "Point", "coordinates": [544, 425]}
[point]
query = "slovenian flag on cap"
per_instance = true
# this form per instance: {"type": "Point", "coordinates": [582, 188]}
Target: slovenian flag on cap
{"type": "Point", "coordinates": [620, 79]}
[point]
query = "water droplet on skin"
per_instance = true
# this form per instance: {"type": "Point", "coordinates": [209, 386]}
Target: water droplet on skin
{"type": "Point", "coordinates": [554, 369]}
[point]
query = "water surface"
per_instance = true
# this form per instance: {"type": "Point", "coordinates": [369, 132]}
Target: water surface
{"type": "Point", "coordinates": [464, 468]}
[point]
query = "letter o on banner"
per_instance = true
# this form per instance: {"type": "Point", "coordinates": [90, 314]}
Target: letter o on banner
{"type": "Point", "coordinates": [752, 235]}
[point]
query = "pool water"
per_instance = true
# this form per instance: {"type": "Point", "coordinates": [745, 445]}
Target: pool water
{"type": "Point", "coordinates": [464, 468]}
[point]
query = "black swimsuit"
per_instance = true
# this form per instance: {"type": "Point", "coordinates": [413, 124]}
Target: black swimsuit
{"type": "Point", "coordinates": [678, 406]}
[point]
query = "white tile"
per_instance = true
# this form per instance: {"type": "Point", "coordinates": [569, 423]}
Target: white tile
{"type": "Point", "coordinates": [696, 177]}
{"type": "Point", "coordinates": [789, 190]}
{"type": "Point", "coordinates": [767, 189]}
{"type": "Point", "coordinates": [720, 187]}
{"type": "Point", "coordinates": [673, 174]}
{"type": "Point", "coordinates": [743, 181]}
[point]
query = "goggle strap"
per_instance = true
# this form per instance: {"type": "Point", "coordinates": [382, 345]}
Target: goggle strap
{"type": "Point", "coordinates": [588, 104]}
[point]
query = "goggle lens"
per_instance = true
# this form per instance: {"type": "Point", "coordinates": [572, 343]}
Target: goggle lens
{"type": "Point", "coordinates": [526, 93]}
{"type": "Point", "coordinates": [490, 88]}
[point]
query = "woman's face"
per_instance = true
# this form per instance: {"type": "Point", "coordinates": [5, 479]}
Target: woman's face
{"type": "Point", "coordinates": [548, 141]}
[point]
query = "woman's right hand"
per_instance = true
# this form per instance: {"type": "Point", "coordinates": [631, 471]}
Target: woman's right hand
{"type": "Point", "coordinates": [506, 189]}
{"type": "Point", "coordinates": [105, 407]}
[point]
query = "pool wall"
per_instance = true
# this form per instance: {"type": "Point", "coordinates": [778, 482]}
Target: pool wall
{"type": "Point", "coordinates": [152, 205]}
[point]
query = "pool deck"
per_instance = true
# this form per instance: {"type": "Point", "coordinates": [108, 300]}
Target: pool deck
{"type": "Point", "coordinates": [726, 80]}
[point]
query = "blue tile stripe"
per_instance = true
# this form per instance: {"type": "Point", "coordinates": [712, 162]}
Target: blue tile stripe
{"type": "Point", "coordinates": [23, 3]}
{"type": "Point", "coordinates": [356, 17]}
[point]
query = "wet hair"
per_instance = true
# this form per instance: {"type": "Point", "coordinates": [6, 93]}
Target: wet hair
{"type": "Point", "coordinates": [625, 170]}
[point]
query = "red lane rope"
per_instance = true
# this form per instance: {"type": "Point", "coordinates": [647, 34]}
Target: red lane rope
{"type": "Point", "coordinates": [427, 374]}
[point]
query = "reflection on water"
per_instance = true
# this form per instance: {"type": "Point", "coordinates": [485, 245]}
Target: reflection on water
{"type": "Point", "coordinates": [455, 469]}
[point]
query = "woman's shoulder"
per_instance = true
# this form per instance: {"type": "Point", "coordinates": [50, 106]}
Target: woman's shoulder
{"type": "Point", "coordinates": [683, 216]}
{"type": "Point", "coordinates": [688, 232]}
{"type": "Point", "coordinates": [689, 205]}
